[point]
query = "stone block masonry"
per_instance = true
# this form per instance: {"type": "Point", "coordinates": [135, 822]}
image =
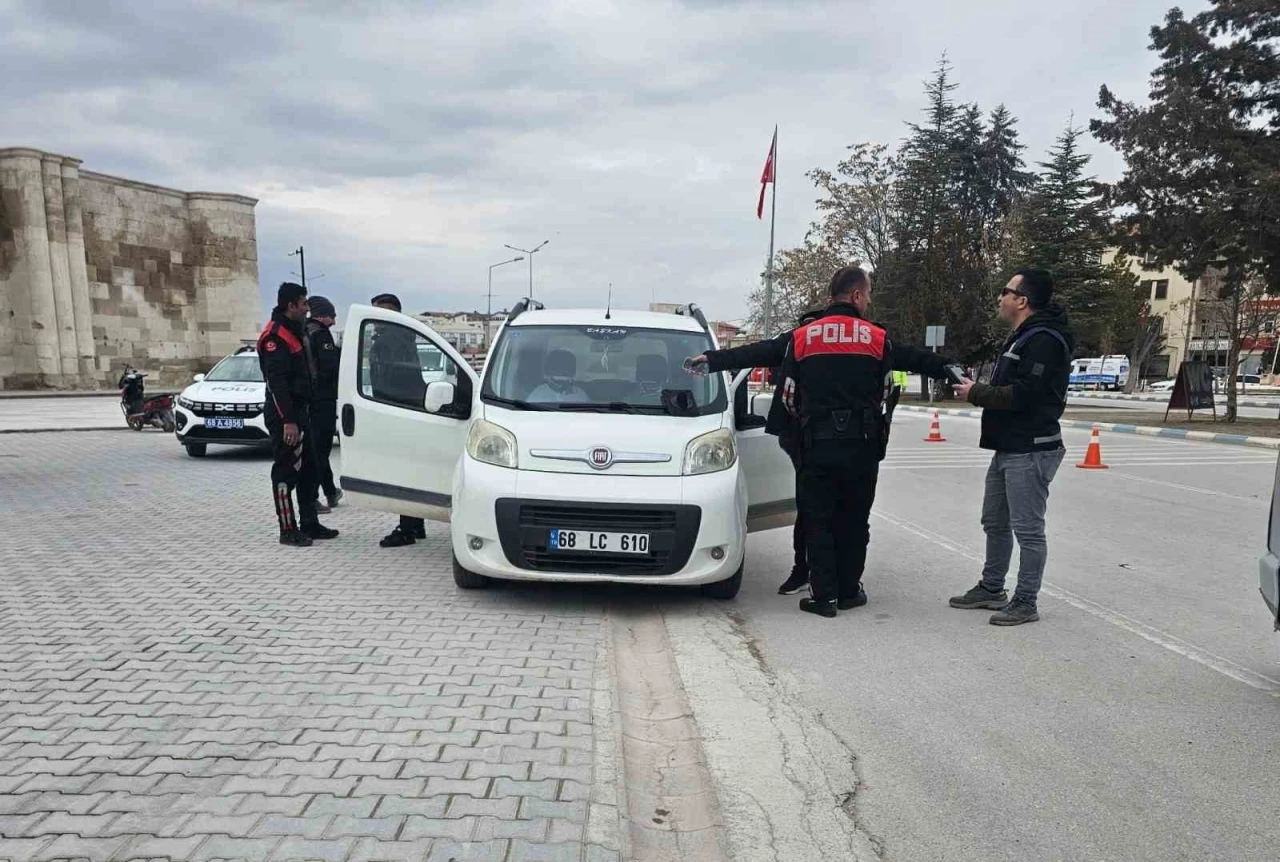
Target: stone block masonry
{"type": "Point", "coordinates": [97, 272]}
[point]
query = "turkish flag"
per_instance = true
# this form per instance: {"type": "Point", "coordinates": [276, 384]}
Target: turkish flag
{"type": "Point", "coordinates": [766, 176]}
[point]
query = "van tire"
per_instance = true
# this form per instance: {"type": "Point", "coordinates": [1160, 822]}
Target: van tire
{"type": "Point", "coordinates": [726, 589]}
{"type": "Point", "coordinates": [468, 580]}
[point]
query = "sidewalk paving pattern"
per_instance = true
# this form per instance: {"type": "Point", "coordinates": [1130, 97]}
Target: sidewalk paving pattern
{"type": "Point", "coordinates": [174, 684]}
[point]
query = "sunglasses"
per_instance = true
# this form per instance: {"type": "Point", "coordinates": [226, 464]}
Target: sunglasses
{"type": "Point", "coordinates": [1008, 290]}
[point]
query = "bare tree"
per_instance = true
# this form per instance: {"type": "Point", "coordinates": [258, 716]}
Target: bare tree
{"type": "Point", "coordinates": [1240, 311]}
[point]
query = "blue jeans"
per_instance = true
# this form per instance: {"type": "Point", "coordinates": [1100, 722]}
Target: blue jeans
{"type": "Point", "coordinates": [1017, 494]}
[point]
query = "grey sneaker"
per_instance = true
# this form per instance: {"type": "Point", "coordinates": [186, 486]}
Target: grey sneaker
{"type": "Point", "coordinates": [335, 498]}
{"type": "Point", "coordinates": [1015, 613]}
{"type": "Point", "coordinates": [982, 598]}
{"type": "Point", "coordinates": [322, 509]}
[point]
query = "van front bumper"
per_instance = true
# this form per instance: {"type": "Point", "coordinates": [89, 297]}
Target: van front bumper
{"type": "Point", "coordinates": [696, 524]}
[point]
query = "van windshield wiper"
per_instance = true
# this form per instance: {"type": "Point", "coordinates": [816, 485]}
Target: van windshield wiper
{"type": "Point", "coordinates": [603, 407]}
{"type": "Point", "coordinates": [513, 403]}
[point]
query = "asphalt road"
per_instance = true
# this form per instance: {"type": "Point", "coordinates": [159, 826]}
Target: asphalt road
{"type": "Point", "coordinates": [1136, 721]}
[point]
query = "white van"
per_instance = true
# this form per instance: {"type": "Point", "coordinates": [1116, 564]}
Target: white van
{"type": "Point", "coordinates": [586, 452]}
{"type": "Point", "coordinates": [1105, 372]}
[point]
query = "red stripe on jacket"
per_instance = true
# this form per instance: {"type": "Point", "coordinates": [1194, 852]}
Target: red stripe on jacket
{"type": "Point", "coordinates": [838, 335]}
{"type": "Point", "coordinates": [274, 328]}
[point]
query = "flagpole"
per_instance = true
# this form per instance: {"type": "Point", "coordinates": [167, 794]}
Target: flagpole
{"type": "Point", "coordinates": [773, 217]}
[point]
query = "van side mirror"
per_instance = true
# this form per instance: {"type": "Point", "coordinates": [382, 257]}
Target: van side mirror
{"type": "Point", "coordinates": [439, 394]}
{"type": "Point", "coordinates": [197, 378]}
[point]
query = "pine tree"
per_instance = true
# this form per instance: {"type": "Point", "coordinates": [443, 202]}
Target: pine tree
{"type": "Point", "coordinates": [1065, 229]}
{"type": "Point", "coordinates": [1202, 179]}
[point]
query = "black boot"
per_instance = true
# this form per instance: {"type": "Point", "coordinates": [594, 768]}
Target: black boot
{"type": "Point", "coordinates": [319, 531]}
{"type": "Point", "coordinates": [295, 538]}
{"type": "Point", "coordinates": [858, 600]}
{"type": "Point", "coordinates": [798, 580]}
{"type": "Point", "coordinates": [821, 607]}
{"type": "Point", "coordinates": [397, 538]}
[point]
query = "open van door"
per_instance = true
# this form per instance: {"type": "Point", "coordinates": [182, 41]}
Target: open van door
{"type": "Point", "coordinates": [770, 476]}
{"type": "Point", "coordinates": [405, 401]}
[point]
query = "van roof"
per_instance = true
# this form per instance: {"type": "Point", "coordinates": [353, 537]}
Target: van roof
{"type": "Point", "coordinates": [596, 316]}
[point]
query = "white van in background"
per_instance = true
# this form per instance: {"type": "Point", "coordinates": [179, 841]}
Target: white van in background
{"type": "Point", "coordinates": [1099, 372]}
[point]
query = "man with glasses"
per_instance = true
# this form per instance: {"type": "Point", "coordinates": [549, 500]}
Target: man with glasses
{"type": "Point", "coordinates": [1021, 408]}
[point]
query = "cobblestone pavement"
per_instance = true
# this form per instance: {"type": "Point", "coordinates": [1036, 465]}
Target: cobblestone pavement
{"type": "Point", "coordinates": [174, 684]}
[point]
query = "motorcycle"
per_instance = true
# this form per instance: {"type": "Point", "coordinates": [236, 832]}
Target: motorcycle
{"type": "Point", "coordinates": [140, 411]}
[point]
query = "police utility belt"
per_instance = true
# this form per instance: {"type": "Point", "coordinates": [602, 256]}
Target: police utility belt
{"type": "Point", "coordinates": [864, 423]}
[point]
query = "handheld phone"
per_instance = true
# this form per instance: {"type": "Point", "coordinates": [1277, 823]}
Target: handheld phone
{"type": "Point", "coordinates": [955, 374]}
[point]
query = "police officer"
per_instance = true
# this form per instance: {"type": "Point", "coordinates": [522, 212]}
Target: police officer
{"type": "Point", "coordinates": [840, 363]}
{"type": "Point", "coordinates": [784, 423]}
{"type": "Point", "coordinates": [325, 361]}
{"type": "Point", "coordinates": [283, 354]}
{"type": "Point", "coordinates": [394, 367]}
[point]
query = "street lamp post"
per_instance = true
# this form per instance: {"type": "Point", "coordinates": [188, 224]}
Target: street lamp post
{"type": "Point", "coordinates": [530, 253]}
{"type": "Point", "coordinates": [489, 311]}
{"type": "Point", "coordinates": [302, 262]}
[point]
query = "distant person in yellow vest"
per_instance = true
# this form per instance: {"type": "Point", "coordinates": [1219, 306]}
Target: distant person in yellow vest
{"type": "Point", "coordinates": [900, 380]}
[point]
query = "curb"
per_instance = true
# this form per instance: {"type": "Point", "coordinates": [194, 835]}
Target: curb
{"type": "Point", "coordinates": [62, 430]}
{"type": "Point", "coordinates": [667, 798]}
{"type": "Point", "coordinates": [59, 393]}
{"type": "Point", "coordinates": [1163, 399]}
{"type": "Point", "coordinates": [1121, 428]}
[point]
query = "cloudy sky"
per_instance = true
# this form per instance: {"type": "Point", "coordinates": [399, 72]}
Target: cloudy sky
{"type": "Point", "coordinates": [403, 143]}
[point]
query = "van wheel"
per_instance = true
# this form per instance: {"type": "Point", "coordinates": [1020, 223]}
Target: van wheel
{"type": "Point", "coordinates": [726, 589]}
{"type": "Point", "coordinates": [195, 450]}
{"type": "Point", "coordinates": [468, 580]}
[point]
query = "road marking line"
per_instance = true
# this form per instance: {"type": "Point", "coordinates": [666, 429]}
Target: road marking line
{"type": "Point", "coordinates": [1159, 637]}
{"type": "Point", "coordinates": [1179, 487]}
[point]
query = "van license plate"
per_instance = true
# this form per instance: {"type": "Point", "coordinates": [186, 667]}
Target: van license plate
{"type": "Point", "coordinates": [598, 543]}
{"type": "Point", "coordinates": [232, 423]}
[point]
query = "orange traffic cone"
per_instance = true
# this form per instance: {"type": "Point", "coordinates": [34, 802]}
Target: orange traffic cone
{"type": "Point", "coordinates": [935, 431]}
{"type": "Point", "coordinates": [1093, 455]}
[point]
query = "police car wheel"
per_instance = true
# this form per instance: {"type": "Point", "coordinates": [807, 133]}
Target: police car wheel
{"type": "Point", "coordinates": [726, 589]}
{"type": "Point", "coordinates": [195, 450]}
{"type": "Point", "coordinates": [468, 580]}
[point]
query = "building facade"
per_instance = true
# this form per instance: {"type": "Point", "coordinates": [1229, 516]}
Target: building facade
{"type": "Point", "coordinates": [1173, 299]}
{"type": "Point", "coordinates": [97, 272]}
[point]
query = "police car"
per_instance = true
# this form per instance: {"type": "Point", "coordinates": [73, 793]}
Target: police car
{"type": "Point", "coordinates": [224, 406]}
{"type": "Point", "coordinates": [584, 451]}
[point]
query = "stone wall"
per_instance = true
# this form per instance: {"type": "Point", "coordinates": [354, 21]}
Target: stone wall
{"type": "Point", "coordinates": [97, 272]}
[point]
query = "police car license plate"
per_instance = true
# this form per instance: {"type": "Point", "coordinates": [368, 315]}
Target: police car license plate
{"type": "Point", "coordinates": [570, 541]}
{"type": "Point", "coordinates": [229, 423]}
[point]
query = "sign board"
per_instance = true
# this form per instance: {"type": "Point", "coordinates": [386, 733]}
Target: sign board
{"type": "Point", "coordinates": [935, 336]}
{"type": "Point", "coordinates": [1192, 390]}
{"type": "Point", "coordinates": [1214, 345]}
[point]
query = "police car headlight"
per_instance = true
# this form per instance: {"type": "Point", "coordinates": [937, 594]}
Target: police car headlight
{"type": "Point", "coordinates": [710, 453]}
{"type": "Point", "coordinates": [492, 444]}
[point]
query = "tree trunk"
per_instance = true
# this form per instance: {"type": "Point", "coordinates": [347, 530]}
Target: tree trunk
{"type": "Point", "coordinates": [1235, 285]}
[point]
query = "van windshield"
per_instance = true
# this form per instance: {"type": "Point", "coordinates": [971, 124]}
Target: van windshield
{"type": "Point", "coordinates": [603, 369]}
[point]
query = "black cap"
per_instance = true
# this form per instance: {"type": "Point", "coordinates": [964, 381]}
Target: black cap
{"type": "Point", "coordinates": [386, 299]}
{"type": "Point", "coordinates": [321, 307]}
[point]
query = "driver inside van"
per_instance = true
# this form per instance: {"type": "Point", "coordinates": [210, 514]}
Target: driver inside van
{"type": "Point", "coordinates": [651, 374]}
{"type": "Point", "coordinates": [560, 369]}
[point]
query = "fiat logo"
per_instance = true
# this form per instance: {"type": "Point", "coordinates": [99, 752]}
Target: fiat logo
{"type": "Point", "coordinates": [601, 457]}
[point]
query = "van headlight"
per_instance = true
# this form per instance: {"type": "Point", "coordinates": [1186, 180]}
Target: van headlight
{"type": "Point", "coordinates": [710, 453]}
{"type": "Point", "coordinates": [491, 444]}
